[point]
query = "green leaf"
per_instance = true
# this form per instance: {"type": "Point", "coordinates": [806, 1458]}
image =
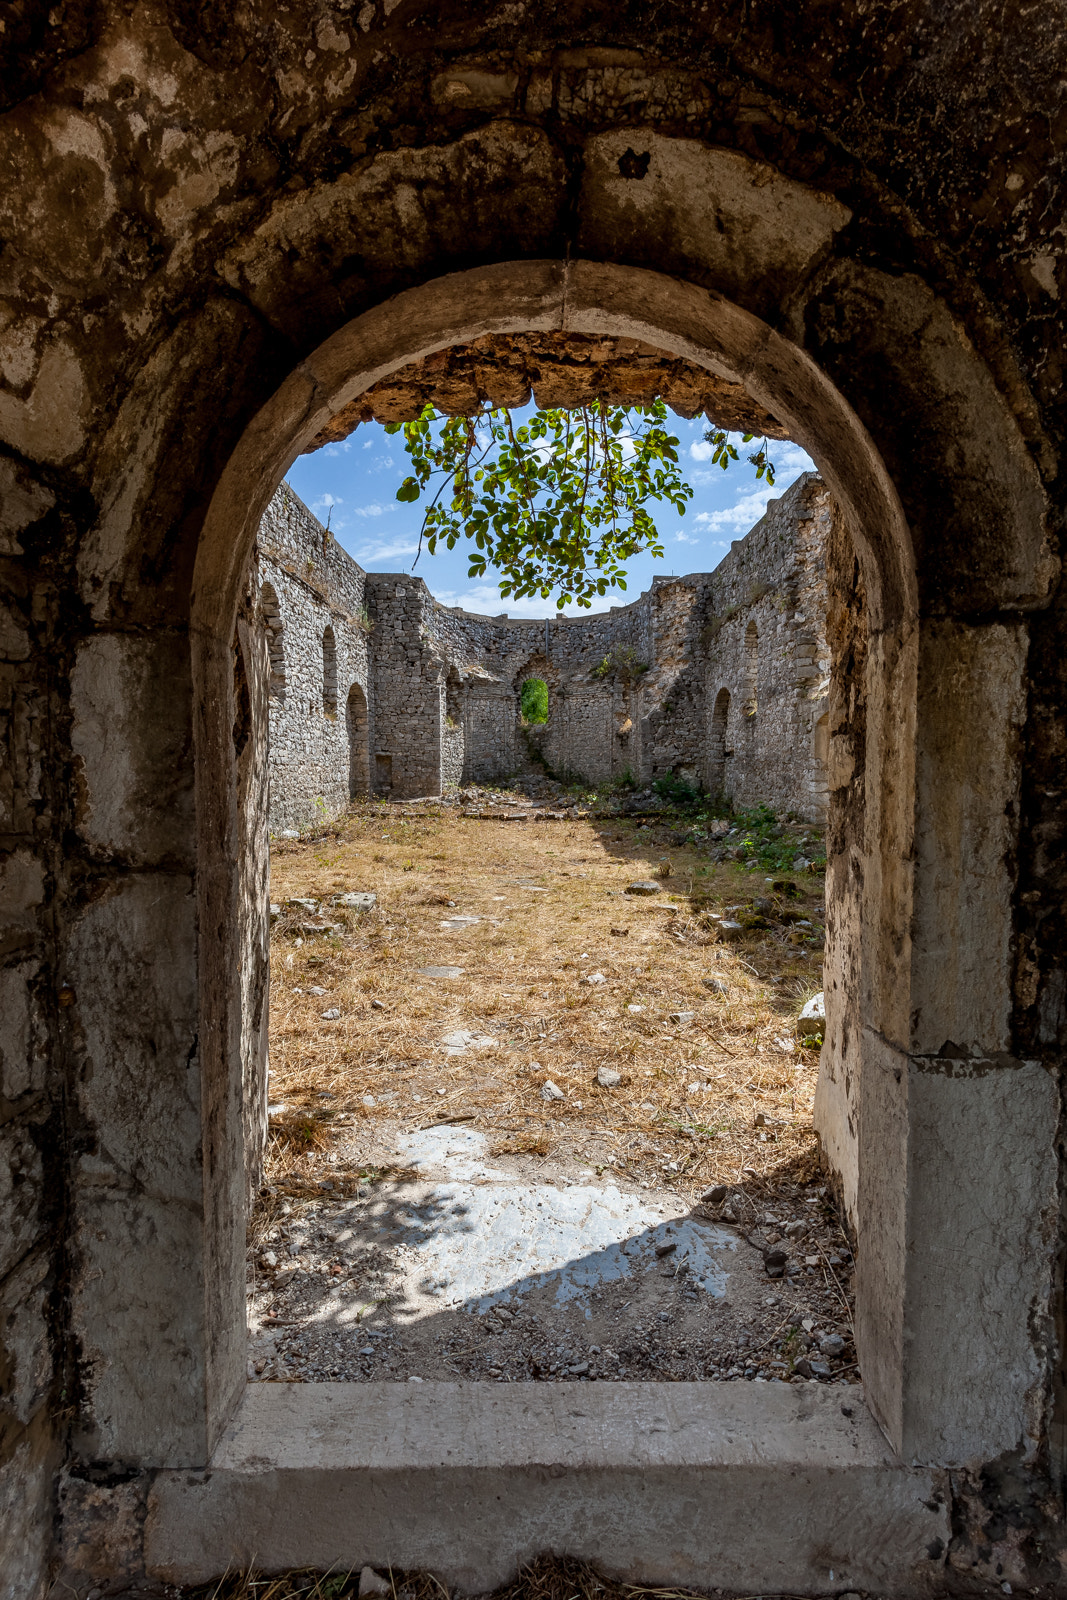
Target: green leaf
{"type": "Point", "coordinates": [558, 504]}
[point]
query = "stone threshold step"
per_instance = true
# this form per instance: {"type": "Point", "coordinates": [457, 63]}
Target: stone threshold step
{"type": "Point", "coordinates": [747, 1487]}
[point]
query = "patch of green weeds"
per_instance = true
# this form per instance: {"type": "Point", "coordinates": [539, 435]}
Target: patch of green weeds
{"type": "Point", "coordinates": [676, 790]}
{"type": "Point", "coordinates": [775, 849]}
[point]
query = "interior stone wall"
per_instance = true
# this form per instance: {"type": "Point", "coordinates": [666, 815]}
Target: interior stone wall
{"type": "Point", "coordinates": [837, 1108]}
{"type": "Point", "coordinates": [631, 689]}
{"type": "Point", "coordinates": [317, 587]}
{"type": "Point", "coordinates": [252, 672]}
{"type": "Point", "coordinates": [774, 580]}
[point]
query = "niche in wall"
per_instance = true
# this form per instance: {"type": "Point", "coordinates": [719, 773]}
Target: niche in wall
{"type": "Point", "coordinates": [329, 673]}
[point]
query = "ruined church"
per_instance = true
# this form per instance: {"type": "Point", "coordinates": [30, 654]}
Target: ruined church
{"type": "Point", "coordinates": [719, 679]}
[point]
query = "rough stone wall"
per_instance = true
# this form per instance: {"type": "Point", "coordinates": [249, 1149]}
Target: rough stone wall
{"type": "Point", "coordinates": [252, 670]}
{"type": "Point", "coordinates": [444, 684]}
{"type": "Point", "coordinates": [314, 768]}
{"type": "Point", "coordinates": [31, 1186]}
{"type": "Point", "coordinates": [407, 687]}
{"type": "Point", "coordinates": [505, 371]}
{"type": "Point", "coordinates": [767, 650]}
{"type": "Point", "coordinates": [837, 1092]}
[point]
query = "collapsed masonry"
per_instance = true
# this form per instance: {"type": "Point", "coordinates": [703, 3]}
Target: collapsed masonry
{"type": "Point", "coordinates": [720, 678]}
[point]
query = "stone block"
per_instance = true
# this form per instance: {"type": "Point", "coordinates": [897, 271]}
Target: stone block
{"type": "Point", "coordinates": [21, 1177]}
{"type": "Point", "coordinates": [22, 1058]}
{"type": "Point", "coordinates": [25, 1357]}
{"type": "Point", "coordinates": [22, 890]}
{"type": "Point", "coordinates": [769, 229]}
{"type": "Point", "coordinates": [972, 705]}
{"type": "Point", "coordinates": [138, 1311]}
{"type": "Point", "coordinates": [132, 737]}
{"type": "Point", "coordinates": [960, 1257]}
{"type": "Point", "coordinates": [981, 1239]}
{"type": "Point", "coordinates": [751, 1487]}
{"type": "Point", "coordinates": [132, 968]}
{"type": "Point", "coordinates": [27, 1511]}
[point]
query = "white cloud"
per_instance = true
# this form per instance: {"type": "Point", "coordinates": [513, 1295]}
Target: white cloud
{"type": "Point", "coordinates": [386, 550]}
{"type": "Point", "coordinates": [685, 538]}
{"type": "Point", "coordinates": [325, 501]}
{"type": "Point", "coordinates": [367, 443]}
{"type": "Point", "coordinates": [701, 450]}
{"type": "Point", "coordinates": [373, 510]}
{"type": "Point", "coordinates": [738, 518]}
{"type": "Point", "coordinates": [789, 457]}
{"type": "Point", "coordinates": [486, 600]}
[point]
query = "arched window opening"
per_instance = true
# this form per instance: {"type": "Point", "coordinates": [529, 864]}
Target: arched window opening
{"type": "Point", "coordinates": [453, 700]}
{"type": "Point", "coordinates": [453, 737]}
{"type": "Point", "coordinates": [717, 754]}
{"type": "Point", "coordinates": [751, 670]}
{"type": "Point", "coordinates": [329, 673]}
{"type": "Point", "coordinates": [274, 628]}
{"type": "Point", "coordinates": [533, 701]}
{"type": "Point", "coordinates": [242, 705]}
{"type": "Point", "coordinates": [821, 743]}
{"type": "Point", "coordinates": [358, 727]}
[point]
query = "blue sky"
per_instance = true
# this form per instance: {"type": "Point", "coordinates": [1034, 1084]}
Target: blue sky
{"type": "Point", "coordinates": [355, 484]}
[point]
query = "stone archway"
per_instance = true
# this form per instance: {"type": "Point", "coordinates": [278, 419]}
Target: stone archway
{"type": "Point", "coordinates": [717, 742]}
{"type": "Point", "coordinates": [357, 725]}
{"type": "Point", "coordinates": [901, 793]}
{"type": "Point", "coordinates": [345, 250]}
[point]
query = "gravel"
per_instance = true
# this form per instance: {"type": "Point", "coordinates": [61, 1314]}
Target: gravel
{"type": "Point", "coordinates": [342, 1306]}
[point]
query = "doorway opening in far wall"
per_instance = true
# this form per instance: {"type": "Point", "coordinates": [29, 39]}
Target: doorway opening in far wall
{"type": "Point", "coordinates": [358, 749]}
{"type": "Point", "coordinates": [274, 628]}
{"type": "Point", "coordinates": [751, 670]}
{"type": "Point", "coordinates": [533, 700]}
{"type": "Point", "coordinates": [720, 718]}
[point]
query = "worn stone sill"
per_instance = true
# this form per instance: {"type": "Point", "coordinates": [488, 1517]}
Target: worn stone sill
{"type": "Point", "coordinates": [742, 1486]}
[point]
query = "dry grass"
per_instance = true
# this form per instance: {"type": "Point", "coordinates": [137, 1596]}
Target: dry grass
{"type": "Point", "coordinates": [551, 909]}
{"type": "Point", "coordinates": [550, 1577]}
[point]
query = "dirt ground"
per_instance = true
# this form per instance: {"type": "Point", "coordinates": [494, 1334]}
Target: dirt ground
{"type": "Point", "coordinates": [437, 1135]}
{"type": "Point", "coordinates": [548, 1577]}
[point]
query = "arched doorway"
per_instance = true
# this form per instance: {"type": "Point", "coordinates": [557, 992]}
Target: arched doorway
{"type": "Point", "coordinates": [594, 297]}
{"type": "Point", "coordinates": [720, 721]}
{"type": "Point", "coordinates": [274, 628]}
{"type": "Point", "coordinates": [928, 300]}
{"type": "Point", "coordinates": [357, 725]}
